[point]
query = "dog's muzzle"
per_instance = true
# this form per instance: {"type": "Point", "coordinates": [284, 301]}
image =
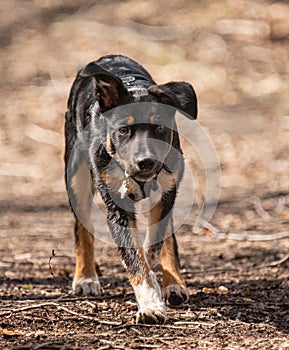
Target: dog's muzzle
{"type": "Point", "coordinates": [146, 169]}
{"type": "Point", "coordinates": [137, 189]}
{"type": "Point", "coordinates": [146, 164]}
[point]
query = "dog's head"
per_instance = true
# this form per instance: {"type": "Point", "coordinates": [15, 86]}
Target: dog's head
{"type": "Point", "coordinates": [140, 135]}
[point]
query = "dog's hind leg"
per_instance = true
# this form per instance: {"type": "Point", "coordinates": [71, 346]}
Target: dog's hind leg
{"type": "Point", "coordinates": [85, 281]}
{"type": "Point", "coordinates": [80, 189]}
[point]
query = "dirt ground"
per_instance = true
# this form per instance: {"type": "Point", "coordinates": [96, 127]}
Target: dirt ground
{"type": "Point", "coordinates": [235, 53]}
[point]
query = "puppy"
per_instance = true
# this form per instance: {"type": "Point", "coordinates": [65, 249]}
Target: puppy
{"type": "Point", "coordinates": [124, 124]}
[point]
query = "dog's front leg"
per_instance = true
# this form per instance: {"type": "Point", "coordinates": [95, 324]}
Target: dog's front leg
{"type": "Point", "coordinates": [161, 244]}
{"type": "Point", "coordinates": [151, 307]}
{"type": "Point", "coordinates": [174, 288]}
{"type": "Point", "coordinates": [148, 294]}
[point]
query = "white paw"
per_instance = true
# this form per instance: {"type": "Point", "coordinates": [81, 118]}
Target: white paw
{"type": "Point", "coordinates": [175, 295]}
{"type": "Point", "coordinates": [86, 286]}
{"type": "Point", "coordinates": [151, 306]}
{"type": "Point", "coordinates": [153, 314]}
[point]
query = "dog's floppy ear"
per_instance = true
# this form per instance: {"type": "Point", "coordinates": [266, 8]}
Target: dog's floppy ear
{"type": "Point", "coordinates": [109, 89]}
{"type": "Point", "coordinates": [178, 94]}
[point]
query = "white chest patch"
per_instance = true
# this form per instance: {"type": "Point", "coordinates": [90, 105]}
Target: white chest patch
{"type": "Point", "coordinates": [123, 189]}
{"type": "Point", "coordinates": [130, 186]}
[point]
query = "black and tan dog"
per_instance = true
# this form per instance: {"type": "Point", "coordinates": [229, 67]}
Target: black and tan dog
{"type": "Point", "coordinates": [131, 151]}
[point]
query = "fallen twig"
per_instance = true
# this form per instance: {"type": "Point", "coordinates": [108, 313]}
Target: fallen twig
{"type": "Point", "coordinates": [278, 262]}
{"type": "Point", "coordinates": [111, 344]}
{"type": "Point", "coordinates": [51, 271]}
{"type": "Point", "coordinates": [160, 339]}
{"type": "Point", "coordinates": [59, 307]}
{"type": "Point", "coordinates": [48, 136]}
{"type": "Point", "coordinates": [252, 237]}
{"type": "Point", "coordinates": [259, 209]}
{"type": "Point", "coordinates": [194, 323]}
{"type": "Point", "coordinates": [243, 236]}
{"type": "Point", "coordinates": [68, 297]}
{"type": "Point", "coordinates": [105, 347]}
{"type": "Point", "coordinates": [282, 201]}
{"type": "Point", "coordinates": [166, 325]}
{"type": "Point", "coordinates": [48, 345]}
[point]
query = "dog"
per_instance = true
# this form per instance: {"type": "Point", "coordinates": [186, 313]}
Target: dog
{"type": "Point", "coordinates": [131, 150]}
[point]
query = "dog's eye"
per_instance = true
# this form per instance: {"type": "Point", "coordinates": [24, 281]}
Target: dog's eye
{"type": "Point", "coordinates": [160, 129]}
{"type": "Point", "coordinates": [123, 130]}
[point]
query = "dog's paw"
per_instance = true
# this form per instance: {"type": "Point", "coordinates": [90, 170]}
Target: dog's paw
{"type": "Point", "coordinates": [175, 295]}
{"type": "Point", "coordinates": [86, 286]}
{"type": "Point", "coordinates": [149, 315]}
{"type": "Point", "coordinates": [152, 309]}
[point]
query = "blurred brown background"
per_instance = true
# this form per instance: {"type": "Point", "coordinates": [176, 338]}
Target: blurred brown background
{"type": "Point", "coordinates": [235, 53]}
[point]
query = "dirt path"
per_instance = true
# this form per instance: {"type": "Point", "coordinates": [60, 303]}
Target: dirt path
{"type": "Point", "coordinates": [235, 53]}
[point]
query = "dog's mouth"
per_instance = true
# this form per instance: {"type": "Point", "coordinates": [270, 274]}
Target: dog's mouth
{"type": "Point", "coordinates": [146, 174]}
{"type": "Point", "coordinates": [138, 185]}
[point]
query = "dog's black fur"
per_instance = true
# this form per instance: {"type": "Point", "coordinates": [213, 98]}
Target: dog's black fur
{"type": "Point", "coordinates": [118, 151]}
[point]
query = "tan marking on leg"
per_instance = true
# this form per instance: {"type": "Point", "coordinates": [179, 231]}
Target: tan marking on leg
{"type": "Point", "coordinates": [81, 183]}
{"type": "Point", "coordinates": [84, 190]}
{"type": "Point", "coordinates": [136, 237]}
{"type": "Point", "coordinates": [139, 278]}
{"type": "Point", "coordinates": [154, 218]}
{"type": "Point", "coordinates": [151, 307]}
{"type": "Point", "coordinates": [156, 213]}
{"type": "Point", "coordinates": [85, 281]}
{"type": "Point", "coordinates": [173, 286]}
{"type": "Point", "coordinates": [135, 280]}
{"type": "Point", "coordinates": [170, 264]}
{"type": "Point", "coordinates": [84, 250]}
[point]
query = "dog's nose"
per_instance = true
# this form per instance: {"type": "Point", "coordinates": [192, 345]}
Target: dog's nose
{"type": "Point", "coordinates": [146, 164]}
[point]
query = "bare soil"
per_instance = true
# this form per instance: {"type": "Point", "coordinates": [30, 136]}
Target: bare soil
{"type": "Point", "coordinates": [235, 53]}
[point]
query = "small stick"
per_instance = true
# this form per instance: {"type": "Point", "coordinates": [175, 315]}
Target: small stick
{"type": "Point", "coordinates": [243, 236]}
{"type": "Point", "coordinates": [59, 307]}
{"type": "Point", "coordinates": [194, 323]}
{"type": "Point", "coordinates": [51, 271]}
{"type": "Point", "coordinates": [259, 209]}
